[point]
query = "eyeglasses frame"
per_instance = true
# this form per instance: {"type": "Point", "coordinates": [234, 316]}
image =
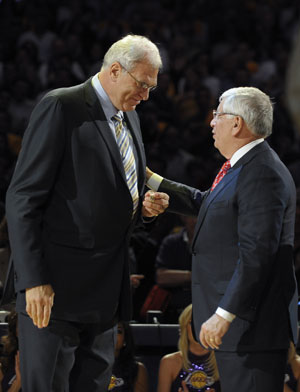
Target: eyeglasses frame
{"type": "Point", "coordinates": [141, 85]}
{"type": "Point", "coordinates": [217, 114]}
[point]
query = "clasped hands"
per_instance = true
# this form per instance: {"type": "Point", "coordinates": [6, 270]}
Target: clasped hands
{"type": "Point", "coordinates": [154, 203]}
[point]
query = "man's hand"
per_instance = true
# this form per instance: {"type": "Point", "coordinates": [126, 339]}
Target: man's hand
{"type": "Point", "coordinates": [39, 302]}
{"type": "Point", "coordinates": [135, 280]}
{"type": "Point", "coordinates": [213, 330]}
{"type": "Point", "coordinates": [154, 203]}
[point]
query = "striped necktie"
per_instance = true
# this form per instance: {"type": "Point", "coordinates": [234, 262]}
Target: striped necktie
{"type": "Point", "coordinates": [123, 140]}
{"type": "Point", "coordinates": [224, 169]}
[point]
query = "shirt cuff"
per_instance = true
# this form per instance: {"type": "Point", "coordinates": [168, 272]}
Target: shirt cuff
{"type": "Point", "coordinates": [154, 182]}
{"type": "Point", "coordinates": [226, 315]}
{"type": "Point", "coordinates": [146, 219]}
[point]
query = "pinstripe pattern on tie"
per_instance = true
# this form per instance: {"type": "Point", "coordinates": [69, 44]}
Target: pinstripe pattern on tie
{"type": "Point", "coordinates": [123, 140]}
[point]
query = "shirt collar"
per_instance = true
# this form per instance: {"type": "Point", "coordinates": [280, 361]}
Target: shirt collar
{"type": "Point", "coordinates": [107, 106]}
{"type": "Point", "coordinates": [243, 150]}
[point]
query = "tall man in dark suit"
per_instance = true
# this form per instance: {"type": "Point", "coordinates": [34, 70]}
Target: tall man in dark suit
{"type": "Point", "coordinates": [74, 199]}
{"type": "Point", "coordinates": [243, 285]}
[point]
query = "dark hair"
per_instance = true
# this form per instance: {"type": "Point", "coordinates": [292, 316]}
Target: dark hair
{"type": "Point", "coordinates": [126, 359]}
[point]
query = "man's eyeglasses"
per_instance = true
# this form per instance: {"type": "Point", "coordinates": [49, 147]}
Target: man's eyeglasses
{"type": "Point", "coordinates": [217, 114]}
{"type": "Point", "coordinates": [142, 85]}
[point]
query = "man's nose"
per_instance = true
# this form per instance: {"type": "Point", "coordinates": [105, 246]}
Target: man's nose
{"type": "Point", "coordinates": [145, 94]}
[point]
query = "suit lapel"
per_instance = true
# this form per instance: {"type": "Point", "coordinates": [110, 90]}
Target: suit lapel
{"type": "Point", "coordinates": [231, 174]}
{"type": "Point", "coordinates": [100, 121]}
{"type": "Point", "coordinates": [97, 115]}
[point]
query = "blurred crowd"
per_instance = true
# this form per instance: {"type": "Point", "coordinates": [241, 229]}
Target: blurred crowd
{"type": "Point", "coordinates": [206, 46]}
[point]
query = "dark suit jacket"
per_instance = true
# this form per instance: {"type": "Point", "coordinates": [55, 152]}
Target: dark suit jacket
{"type": "Point", "coordinates": [242, 251]}
{"type": "Point", "coordinates": [69, 209]}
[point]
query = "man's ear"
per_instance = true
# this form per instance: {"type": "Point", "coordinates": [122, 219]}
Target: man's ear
{"type": "Point", "coordinates": [237, 125]}
{"type": "Point", "coordinates": [115, 70]}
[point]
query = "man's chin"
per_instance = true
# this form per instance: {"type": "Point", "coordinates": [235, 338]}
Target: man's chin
{"type": "Point", "coordinates": [217, 146]}
{"type": "Point", "coordinates": [129, 108]}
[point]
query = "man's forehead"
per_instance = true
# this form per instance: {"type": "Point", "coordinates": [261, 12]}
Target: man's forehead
{"type": "Point", "coordinates": [220, 106]}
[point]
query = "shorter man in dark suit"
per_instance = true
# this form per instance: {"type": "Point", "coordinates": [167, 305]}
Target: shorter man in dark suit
{"type": "Point", "coordinates": [243, 282]}
{"type": "Point", "coordinates": [73, 202]}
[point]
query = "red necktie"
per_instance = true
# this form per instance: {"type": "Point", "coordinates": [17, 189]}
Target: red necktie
{"type": "Point", "coordinates": [224, 169]}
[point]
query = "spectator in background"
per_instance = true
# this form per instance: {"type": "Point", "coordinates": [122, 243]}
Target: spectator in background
{"type": "Point", "coordinates": [135, 278]}
{"type": "Point", "coordinates": [21, 105]}
{"type": "Point", "coordinates": [177, 158]}
{"type": "Point", "coordinates": [129, 375]}
{"type": "Point", "coordinates": [38, 31]}
{"type": "Point", "coordinates": [10, 375]}
{"type": "Point", "coordinates": [145, 242]}
{"type": "Point", "coordinates": [192, 367]}
{"type": "Point", "coordinates": [173, 268]}
{"type": "Point", "coordinates": [292, 375]}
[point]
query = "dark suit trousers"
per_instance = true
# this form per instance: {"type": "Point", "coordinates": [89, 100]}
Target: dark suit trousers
{"type": "Point", "coordinates": [247, 372]}
{"type": "Point", "coordinates": [65, 356]}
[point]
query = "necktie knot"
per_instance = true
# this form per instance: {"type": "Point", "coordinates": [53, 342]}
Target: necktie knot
{"type": "Point", "coordinates": [226, 166]}
{"type": "Point", "coordinates": [117, 117]}
{"type": "Point", "coordinates": [224, 169]}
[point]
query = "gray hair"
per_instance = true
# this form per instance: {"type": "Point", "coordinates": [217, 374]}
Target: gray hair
{"type": "Point", "coordinates": [254, 106]}
{"type": "Point", "coordinates": [132, 49]}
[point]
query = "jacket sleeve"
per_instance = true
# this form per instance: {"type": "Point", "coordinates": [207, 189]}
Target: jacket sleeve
{"type": "Point", "coordinates": [266, 208]}
{"type": "Point", "coordinates": [184, 199]}
{"type": "Point", "coordinates": [40, 156]}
